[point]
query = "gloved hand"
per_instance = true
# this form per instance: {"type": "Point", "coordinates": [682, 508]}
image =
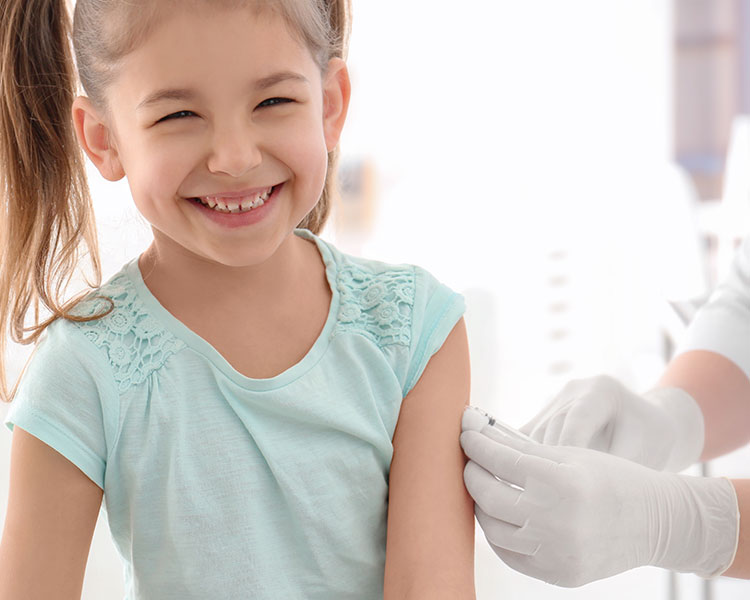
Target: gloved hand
{"type": "Point", "coordinates": [662, 429]}
{"type": "Point", "coordinates": [577, 515]}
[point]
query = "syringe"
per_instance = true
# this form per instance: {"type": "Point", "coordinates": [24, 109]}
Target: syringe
{"type": "Point", "coordinates": [476, 418]}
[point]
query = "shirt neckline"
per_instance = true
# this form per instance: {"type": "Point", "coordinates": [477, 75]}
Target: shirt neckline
{"type": "Point", "coordinates": [204, 348]}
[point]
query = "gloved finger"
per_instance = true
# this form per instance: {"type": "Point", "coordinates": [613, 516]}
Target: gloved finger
{"type": "Point", "coordinates": [494, 497]}
{"type": "Point", "coordinates": [589, 424]}
{"type": "Point", "coordinates": [564, 398]}
{"type": "Point", "coordinates": [555, 425]}
{"type": "Point", "coordinates": [532, 425]}
{"type": "Point", "coordinates": [535, 433]}
{"type": "Point", "coordinates": [528, 565]}
{"type": "Point", "coordinates": [539, 421]}
{"type": "Point", "coordinates": [474, 419]}
{"type": "Point", "coordinates": [550, 469]}
{"type": "Point", "coordinates": [505, 535]}
{"type": "Point", "coordinates": [511, 459]}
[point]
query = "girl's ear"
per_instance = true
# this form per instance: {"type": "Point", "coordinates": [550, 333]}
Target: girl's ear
{"type": "Point", "coordinates": [94, 136]}
{"type": "Point", "coordinates": [336, 93]}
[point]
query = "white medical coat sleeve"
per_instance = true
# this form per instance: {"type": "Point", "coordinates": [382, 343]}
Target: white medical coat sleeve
{"type": "Point", "coordinates": [722, 325]}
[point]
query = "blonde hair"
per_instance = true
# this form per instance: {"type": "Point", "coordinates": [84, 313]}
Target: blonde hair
{"type": "Point", "coordinates": [47, 212]}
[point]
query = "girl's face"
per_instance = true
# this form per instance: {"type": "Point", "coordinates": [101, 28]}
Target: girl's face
{"type": "Point", "coordinates": [254, 115]}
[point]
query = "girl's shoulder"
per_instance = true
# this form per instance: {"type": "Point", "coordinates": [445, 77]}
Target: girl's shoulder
{"type": "Point", "coordinates": [134, 342]}
{"type": "Point", "coordinates": [402, 308]}
{"type": "Point", "coordinates": [376, 299]}
{"type": "Point", "coordinates": [386, 301]}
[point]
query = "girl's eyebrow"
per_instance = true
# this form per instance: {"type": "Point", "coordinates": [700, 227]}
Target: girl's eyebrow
{"type": "Point", "coordinates": [190, 94]}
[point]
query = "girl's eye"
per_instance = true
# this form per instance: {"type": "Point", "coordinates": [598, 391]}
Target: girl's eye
{"type": "Point", "coordinates": [176, 115]}
{"type": "Point", "coordinates": [184, 113]}
{"type": "Point", "coordinates": [274, 102]}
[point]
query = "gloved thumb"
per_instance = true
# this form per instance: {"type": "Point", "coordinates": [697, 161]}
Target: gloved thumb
{"type": "Point", "coordinates": [588, 424]}
{"type": "Point", "coordinates": [527, 428]}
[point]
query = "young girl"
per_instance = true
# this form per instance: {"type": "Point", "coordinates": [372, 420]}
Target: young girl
{"type": "Point", "coordinates": [257, 409]}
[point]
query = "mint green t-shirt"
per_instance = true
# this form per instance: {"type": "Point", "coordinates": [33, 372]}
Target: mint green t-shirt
{"type": "Point", "coordinates": [221, 486]}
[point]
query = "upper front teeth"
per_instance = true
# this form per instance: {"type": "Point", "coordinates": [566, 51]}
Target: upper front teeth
{"type": "Point", "coordinates": [236, 203]}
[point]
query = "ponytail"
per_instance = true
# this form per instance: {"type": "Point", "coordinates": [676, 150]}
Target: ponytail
{"type": "Point", "coordinates": [339, 18]}
{"type": "Point", "coordinates": [45, 205]}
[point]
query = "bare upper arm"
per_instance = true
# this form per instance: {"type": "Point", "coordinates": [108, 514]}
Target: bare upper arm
{"type": "Point", "coordinates": [722, 390]}
{"type": "Point", "coordinates": [52, 512]}
{"type": "Point", "coordinates": [430, 547]}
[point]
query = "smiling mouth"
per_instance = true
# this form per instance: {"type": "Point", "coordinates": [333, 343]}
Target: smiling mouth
{"type": "Point", "coordinates": [236, 205]}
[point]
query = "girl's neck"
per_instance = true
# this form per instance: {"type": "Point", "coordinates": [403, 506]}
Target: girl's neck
{"type": "Point", "coordinates": [185, 283]}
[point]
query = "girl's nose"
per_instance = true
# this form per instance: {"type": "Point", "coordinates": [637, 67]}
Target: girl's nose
{"type": "Point", "coordinates": [234, 151]}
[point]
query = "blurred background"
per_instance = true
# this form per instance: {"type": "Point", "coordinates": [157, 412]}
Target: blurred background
{"type": "Point", "coordinates": [579, 170]}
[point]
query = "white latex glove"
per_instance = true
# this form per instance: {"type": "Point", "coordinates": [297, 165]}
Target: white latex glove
{"type": "Point", "coordinates": [577, 515]}
{"type": "Point", "coordinates": [662, 429]}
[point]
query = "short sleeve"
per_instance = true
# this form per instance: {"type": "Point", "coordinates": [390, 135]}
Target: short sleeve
{"type": "Point", "coordinates": [436, 311]}
{"type": "Point", "coordinates": [723, 324]}
{"type": "Point", "coordinates": [66, 397]}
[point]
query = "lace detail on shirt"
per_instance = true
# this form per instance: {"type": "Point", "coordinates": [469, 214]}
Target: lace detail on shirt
{"type": "Point", "coordinates": [136, 343]}
{"type": "Point", "coordinates": [377, 305]}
